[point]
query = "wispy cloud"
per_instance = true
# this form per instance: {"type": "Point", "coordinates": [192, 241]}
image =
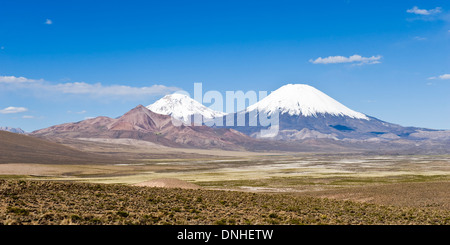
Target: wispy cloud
{"type": "Point", "coordinates": [357, 59]}
{"type": "Point", "coordinates": [114, 90]}
{"type": "Point", "coordinates": [27, 117]}
{"type": "Point", "coordinates": [48, 22]}
{"type": "Point", "coordinates": [416, 10]}
{"type": "Point", "coordinates": [435, 14]}
{"type": "Point", "coordinates": [442, 77]}
{"type": "Point", "coordinates": [13, 79]}
{"type": "Point", "coordinates": [419, 38]}
{"type": "Point", "coordinates": [77, 112]}
{"type": "Point", "coordinates": [83, 88]}
{"type": "Point", "coordinates": [12, 110]}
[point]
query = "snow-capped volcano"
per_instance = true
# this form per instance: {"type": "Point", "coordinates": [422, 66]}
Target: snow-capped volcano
{"type": "Point", "coordinates": [183, 108]}
{"type": "Point", "coordinates": [299, 111]}
{"type": "Point", "coordinates": [303, 100]}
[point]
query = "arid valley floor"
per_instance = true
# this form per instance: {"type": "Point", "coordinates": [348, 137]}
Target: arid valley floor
{"type": "Point", "coordinates": [225, 187]}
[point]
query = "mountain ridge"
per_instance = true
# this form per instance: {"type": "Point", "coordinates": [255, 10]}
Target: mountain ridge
{"type": "Point", "coordinates": [142, 124]}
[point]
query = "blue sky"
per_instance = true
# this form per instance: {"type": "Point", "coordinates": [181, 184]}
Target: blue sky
{"type": "Point", "coordinates": [64, 61]}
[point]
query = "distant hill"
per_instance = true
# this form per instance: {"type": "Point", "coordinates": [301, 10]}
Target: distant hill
{"type": "Point", "coordinates": [18, 148]}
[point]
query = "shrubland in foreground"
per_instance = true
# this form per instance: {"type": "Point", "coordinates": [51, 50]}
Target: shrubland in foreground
{"type": "Point", "coordinates": [61, 203]}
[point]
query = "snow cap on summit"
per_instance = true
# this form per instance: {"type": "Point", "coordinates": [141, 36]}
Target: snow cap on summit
{"type": "Point", "coordinates": [304, 100]}
{"type": "Point", "coordinates": [182, 107]}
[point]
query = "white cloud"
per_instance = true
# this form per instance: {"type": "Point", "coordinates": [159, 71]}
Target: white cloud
{"type": "Point", "coordinates": [12, 109]}
{"type": "Point", "coordinates": [416, 10]}
{"type": "Point", "coordinates": [48, 22]}
{"type": "Point", "coordinates": [442, 77]}
{"type": "Point", "coordinates": [113, 90]}
{"type": "Point", "coordinates": [82, 88]}
{"type": "Point", "coordinates": [27, 117]}
{"type": "Point", "coordinates": [358, 59]}
{"type": "Point", "coordinates": [13, 79]}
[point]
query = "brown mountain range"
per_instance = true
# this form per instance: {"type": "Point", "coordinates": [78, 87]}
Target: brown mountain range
{"type": "Point", "coordinates": [142, 124]}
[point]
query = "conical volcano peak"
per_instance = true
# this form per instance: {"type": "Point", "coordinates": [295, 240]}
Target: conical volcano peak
{"type": "Point", "coordinates": [303, 100]}
{"type": "Point", "coordinates": [182, 107]}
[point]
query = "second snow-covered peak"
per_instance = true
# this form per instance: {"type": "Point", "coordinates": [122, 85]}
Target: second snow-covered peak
{"type": "Point", "coordinates": [305, 100]}
{"type": "Point", "coordinates": [182, 107]}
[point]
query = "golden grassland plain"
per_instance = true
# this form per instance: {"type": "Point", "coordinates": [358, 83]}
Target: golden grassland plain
{"type": "Point", "coordinates": [234, 188]}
